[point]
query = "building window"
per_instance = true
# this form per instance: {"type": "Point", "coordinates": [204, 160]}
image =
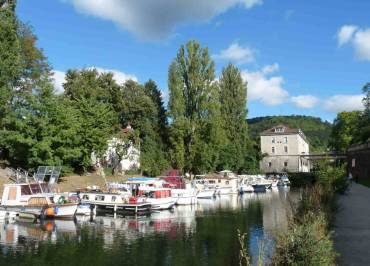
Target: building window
{"type": "Point", "coordinates": [285, 164]}
{"type": "Point", "coordinates": [285, 139]}
{"type": "Point", "coordinates": [273, 140]}
{"type": "Point", "coordinates": [279, 129]}
{"type": "Point", "coordinates": [273, 149]}
{"type": "Point", "coordinates": [270, 164]}
{"type": "Point", "coordinates": [286, 149]}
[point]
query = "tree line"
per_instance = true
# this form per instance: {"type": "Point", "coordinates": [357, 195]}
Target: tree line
{"type": "Point", "coordinates": [203, 129]}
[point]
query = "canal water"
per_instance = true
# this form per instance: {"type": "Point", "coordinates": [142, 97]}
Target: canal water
{"type": "Point", "coordinates": [205, 234]}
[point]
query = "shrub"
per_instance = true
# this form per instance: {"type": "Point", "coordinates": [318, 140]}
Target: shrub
{"type": "Point", "coordinates": [305, 243]}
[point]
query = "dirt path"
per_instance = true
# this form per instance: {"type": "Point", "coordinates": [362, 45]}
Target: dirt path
{"type": "Point", "coordinates": [352, 226]}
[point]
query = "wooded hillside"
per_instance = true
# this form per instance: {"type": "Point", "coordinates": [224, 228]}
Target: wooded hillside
{"type": "Point", "coordinates": [316, 130]}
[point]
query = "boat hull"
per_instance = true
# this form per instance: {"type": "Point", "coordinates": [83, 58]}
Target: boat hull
{"type": "Point", "coordinates": [205, 194]}
{"type": "Point", "coordinates": [246, 189]}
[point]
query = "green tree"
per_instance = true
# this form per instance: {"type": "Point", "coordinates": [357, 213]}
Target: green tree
{"type": "Point", "coordinates": [363, 132]}
{"type": "Point", "coordinates": [344, 127]}
{"type": "Point", "coordinates": [141, 112]}
{"type": "Point", "coordinates": [233, 100]}
{"type": "Point", "coordinates": [152, 90]}
{"type": "Point", "coordinates": [193, 109]}
{"type": "Point", "coordinates": [9, 55]}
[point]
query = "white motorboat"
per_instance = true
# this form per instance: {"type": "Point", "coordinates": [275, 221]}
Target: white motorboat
{"type": "Point", "coordinates": [225, 182]}
{"type": "Point", "coordinates": [159, 198]}
{"type": "Point", "coordinates": [36, 198]}
{"type": "Point", "coordinates": [186, 196]}
{"type": "Point", "coordinates": [204, 189]}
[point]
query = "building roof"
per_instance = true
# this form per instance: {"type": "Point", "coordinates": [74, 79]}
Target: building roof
{"type": "Point", "coordinates": [282, 129]}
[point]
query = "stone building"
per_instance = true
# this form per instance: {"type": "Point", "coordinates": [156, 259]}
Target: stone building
{"type": "Point", "coordinates": [283, 148]}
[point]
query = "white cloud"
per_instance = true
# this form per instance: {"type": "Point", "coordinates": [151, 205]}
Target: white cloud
{"type": "Point", "coordinates": [120, 77]}
{"type": "Point", "coordinates": [156, 19]}
{"type": "Point", "coordinates": [304, 101]}
{"type": "Point", "coordinates": [236, 53]}
{"type": "Point", "coordinates": [58, 80]}
{"type": "Point", "coordinates": [359, 38]}
{"type": "Point", "coordinates": [270, 68]}
{"type": "Point", "coordinates": [345, 34]}
{"type": "Point", "coordinates": [261, 87]}
{"type": "Point", "coordinates": [361, 42]}
{"type": "Point", "coordinates": [340, 103]}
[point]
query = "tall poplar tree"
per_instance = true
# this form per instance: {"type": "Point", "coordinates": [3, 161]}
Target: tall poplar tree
{"type": "Point", "coordinates": [9, 55]}
{"type": "Point", "coordinates": [193, 109]}
{"type": "Point", "coordinates": [233, 99]}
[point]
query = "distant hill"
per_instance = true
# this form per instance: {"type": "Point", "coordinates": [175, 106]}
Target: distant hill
{"type": "Point", "coordinates": [316, 130]}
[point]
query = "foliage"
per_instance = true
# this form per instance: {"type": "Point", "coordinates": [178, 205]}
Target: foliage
{"type": "Point", "coordinates": [306, 243]}
{"type": "Point", "coordinates": [9, 55]}
{"type": "Point", "coordinates": [244, 259]}
{"type": "Point", "coordinates": [344, 126]}
{"type": "Point", "coordinates": [194, 110]}
{"type": "Point", "coordinates": [233, 97]}
{"type": "Point", "coordinates": [332, 177]}
{"type": "Point", "coordinates": [308, 240]}
{"type": "Point", "coordinates": [142, 113]}
{"type": "Point", "coordinates": [316, 130]}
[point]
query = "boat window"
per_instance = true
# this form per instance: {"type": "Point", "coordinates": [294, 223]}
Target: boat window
{"type": "Point", "coordinates": [212, 181]}
{"type": "Point", "coordinates": [25, 190]}
{"type": "Point", "coordinates": [39, 188]}
{"type": "Point", "coordinates": [85, 197]}
{"type": "Point", "coordinates": [227, 182]}
{"type": "Point", "coordinates": [12, 193]}
{"type": "Point", "coordinates": [219, 181]}
{"type": "Point", "coordinates": [99, 197]}
{"type": "Point", "coordinates": [113, 198]}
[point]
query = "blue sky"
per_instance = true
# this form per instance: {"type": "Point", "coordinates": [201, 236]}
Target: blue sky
{"type": "Point", "coordinates": [299, 57]}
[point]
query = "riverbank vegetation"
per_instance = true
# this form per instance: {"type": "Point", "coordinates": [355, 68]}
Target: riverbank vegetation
{"type": "Point", "coordinates": [308, 240]}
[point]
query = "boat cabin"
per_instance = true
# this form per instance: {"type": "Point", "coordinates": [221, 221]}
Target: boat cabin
{"type": "Point", "coordinates": [19, 194]}
{"type": "Point", "coordinates": [156, 193]}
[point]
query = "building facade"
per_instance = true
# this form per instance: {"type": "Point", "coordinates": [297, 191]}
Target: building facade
{"type": "Point", "coordinates": [283, 148]}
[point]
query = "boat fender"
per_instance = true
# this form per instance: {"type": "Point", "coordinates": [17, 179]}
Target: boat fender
{"type": "Point", "coordinates": [61, 200]}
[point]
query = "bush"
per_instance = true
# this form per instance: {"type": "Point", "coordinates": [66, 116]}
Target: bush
{"type": "Point", "coordinates": [332, 177]}
{"type": "Point", "coordinates": [305, 243]}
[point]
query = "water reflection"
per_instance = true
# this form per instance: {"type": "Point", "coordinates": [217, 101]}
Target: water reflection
{"type": "Point", "coordinates": [204, 234]}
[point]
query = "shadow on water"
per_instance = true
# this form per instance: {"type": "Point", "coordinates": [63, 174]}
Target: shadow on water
{"type": "Point", "coordinates": [205, 234]}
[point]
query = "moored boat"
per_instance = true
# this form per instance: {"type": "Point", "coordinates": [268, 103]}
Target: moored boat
{"type": "Point", "coordinates": [36, 198]}
{"type": "Point", "coordinates": [159, 198]}
{"type": "Point", "coordinates": [186, 196]}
